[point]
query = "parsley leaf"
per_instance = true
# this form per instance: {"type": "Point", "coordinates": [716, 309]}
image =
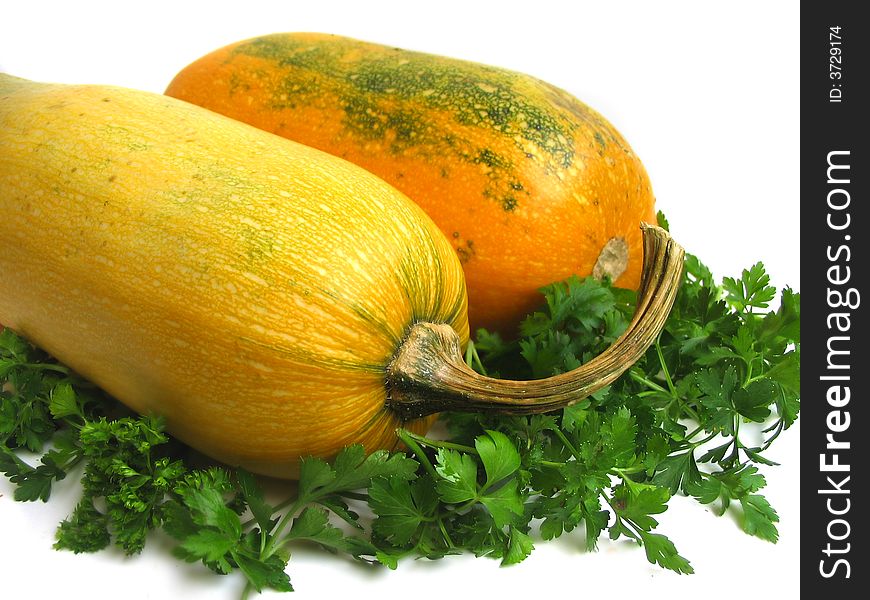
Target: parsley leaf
{"type": "Point", "coordinates": [661, 550]}
{"type": "Point", "coordinates": [499, 456]}
{"type": "Point", "coordinates": [677, 472]}
{"type": "Point", "coordinates": [458, 482]}
{"type": "Point", "coordinates": [34, 483]}
{"type": "Point", "coordinates": [520, 545]}
{"type": "Point", "coordinates": [759, 517]}
{"type": "Point", "coordinates": [752, 290]}
{"type": "Point", "coordinates": [402, 507]}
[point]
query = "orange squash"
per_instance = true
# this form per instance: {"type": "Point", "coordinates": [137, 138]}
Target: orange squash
{"type": "Point", "coordinates": [529, 184]}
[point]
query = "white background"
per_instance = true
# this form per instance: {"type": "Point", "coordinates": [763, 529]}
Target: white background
{"type": "Point", "coordinates": [707, 95]}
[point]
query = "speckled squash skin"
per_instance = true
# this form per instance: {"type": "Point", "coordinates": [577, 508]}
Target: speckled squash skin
{"type": "Point", "coordinates": [250, 289]}
{"type": "Point", "coordinates": [527, 182]}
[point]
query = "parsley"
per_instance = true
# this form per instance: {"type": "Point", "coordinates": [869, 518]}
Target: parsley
{"type": "Point", "coordinates": [41, 403]}
{"type": "Point", "coordinates": [134, 482]}
{"type": "Point", "coordinates": [671, 425]}
{"type": "Point", "coordinates": [675, 423]}
{"type": "Point", "coordinates": [125, 469]}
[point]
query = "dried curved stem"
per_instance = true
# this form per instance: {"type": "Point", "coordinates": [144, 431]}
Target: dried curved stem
{"type": "Point", "coordinates": [429, 375]}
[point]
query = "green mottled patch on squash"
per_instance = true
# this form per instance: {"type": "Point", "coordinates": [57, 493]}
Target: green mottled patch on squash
{"type": "Point", "coordinates": [387, 93]}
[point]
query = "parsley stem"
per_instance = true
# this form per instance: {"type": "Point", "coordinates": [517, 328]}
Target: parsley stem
{"type": "Point", "coordinates": [438, 443]}
{"type": "Point", "coordinates": [355, 496]}
{"type": "Point", "coordinates": [473, 358]}
{"type": "Point", "coordinates": [688, 410]}
{"type": "Point", "coordinates": [272, 545]}
{"type": "Point", "coordinates": [409, 439]}
{"type": "Point", "coordinates": [623, 473]}
{"type": "Point", "coordinates": [705, 440]}
{"type": "Point", "coordinates": [45, 367]}
{"type": "Point", "coordinates": [754, 378]}
{"type": "Point", "coordinates": [675, 397]}
{"type": "Point", "coordinates": [564, 439]}
{"type": "Point", "coordinates": [249, 585]}
{"type": "Point", "coordinates": [280, 506]}
{"type": "Point", "coordinates": [695, 432]}
{"type": "Point", "coordinates": [651, 384]}
{"type": "Point", "coordinates": [446, 535]}
{"type": "Point", "coordinates": [667, 373]}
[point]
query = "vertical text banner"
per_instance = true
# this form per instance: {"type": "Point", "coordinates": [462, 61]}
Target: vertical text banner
{"type": "Point", "coordinates": [834, 262]}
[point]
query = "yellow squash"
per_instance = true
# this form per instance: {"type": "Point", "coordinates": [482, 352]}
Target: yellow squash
{"type": "Point", "coordinates": [237, 284]}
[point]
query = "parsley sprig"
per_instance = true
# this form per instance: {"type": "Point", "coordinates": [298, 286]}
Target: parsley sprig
{"type": "Point", "coordinates": [725, 366]}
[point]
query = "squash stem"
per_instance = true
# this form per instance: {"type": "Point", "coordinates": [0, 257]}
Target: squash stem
{"type": "Point", "coordinates": [429, 373]}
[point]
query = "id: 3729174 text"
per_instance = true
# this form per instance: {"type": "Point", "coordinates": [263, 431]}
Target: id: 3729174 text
{"type": "Point", "coordinates": [835, 63]}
